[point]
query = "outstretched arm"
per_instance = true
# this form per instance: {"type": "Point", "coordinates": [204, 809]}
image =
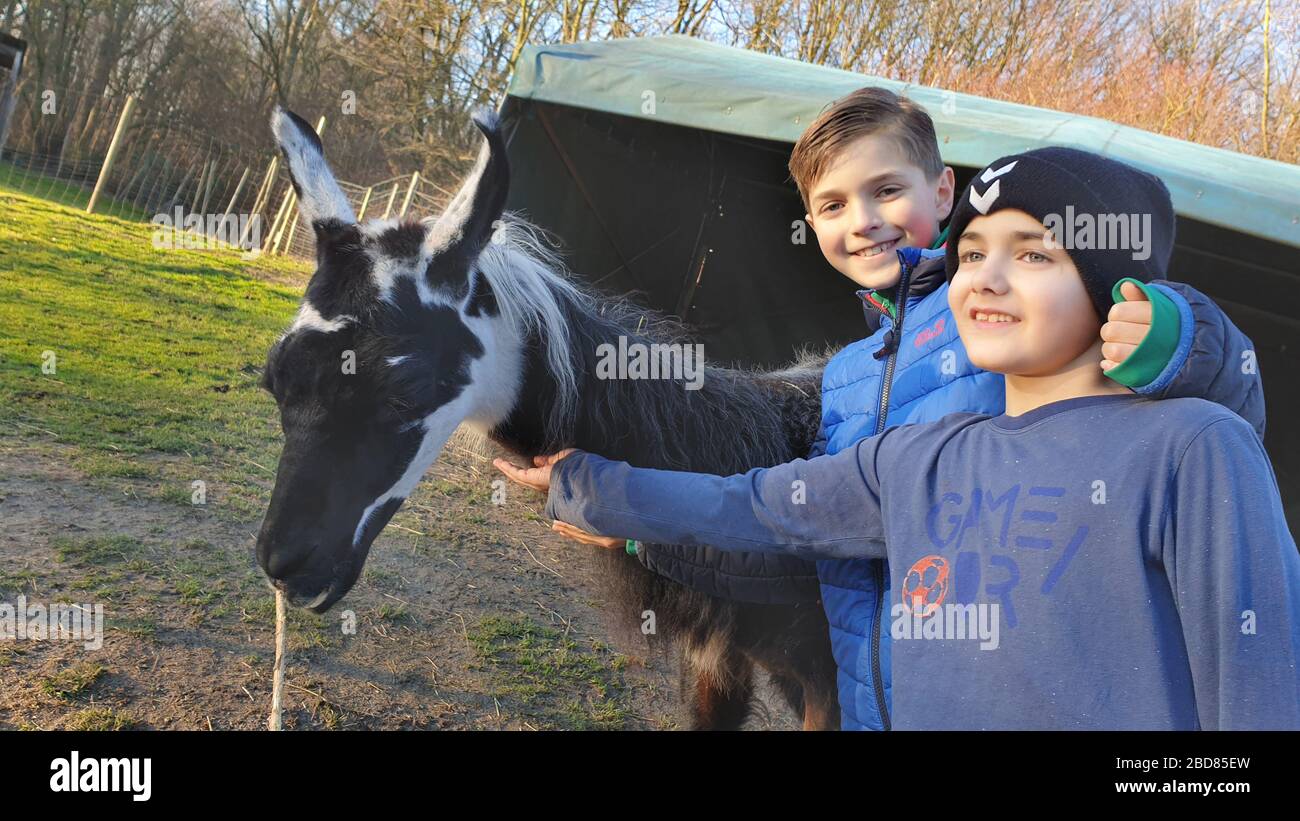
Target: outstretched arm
{"type": "Point", "coordinates": [822, 508]}
{"type": "Point", "coordinates": [538, 477]}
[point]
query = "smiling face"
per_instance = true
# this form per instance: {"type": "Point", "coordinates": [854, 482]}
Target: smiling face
{"type": "Point", "coordinates": [1021, 307]}
{"type": "Point", "coordinates": [870, 202]}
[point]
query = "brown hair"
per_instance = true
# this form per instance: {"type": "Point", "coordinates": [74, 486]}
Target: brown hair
{"type": "Point", "coordinates": [869, 110]}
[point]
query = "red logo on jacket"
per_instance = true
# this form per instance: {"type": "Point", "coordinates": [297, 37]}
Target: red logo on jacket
{"type": "Point", "coordinates": [929, 333]}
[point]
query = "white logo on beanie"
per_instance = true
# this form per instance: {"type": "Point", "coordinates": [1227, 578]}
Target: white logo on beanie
{"type": "Point", "coordinates": [990, 175]}
{"type": "Point", "coordinates": [983, 202]}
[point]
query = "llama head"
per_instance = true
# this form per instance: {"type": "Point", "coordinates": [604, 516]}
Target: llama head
{"type": "Point", "coordinates": [396, 342]}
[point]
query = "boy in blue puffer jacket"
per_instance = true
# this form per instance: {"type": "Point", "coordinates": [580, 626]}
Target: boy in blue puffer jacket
{"type": "Point", "coordinates": [870, 175]}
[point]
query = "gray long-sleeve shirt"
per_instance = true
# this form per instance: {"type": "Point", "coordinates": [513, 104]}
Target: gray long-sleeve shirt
{"type": "Point", "coordinates": [1102, 562]}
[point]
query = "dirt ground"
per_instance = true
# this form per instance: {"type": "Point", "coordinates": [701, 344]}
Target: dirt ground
{"type": "Point", "coordinates": [469, 615]}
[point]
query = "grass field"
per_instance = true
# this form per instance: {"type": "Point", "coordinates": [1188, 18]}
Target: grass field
{"type": "Point", "coordinates": [128, 373]}
{"type": "Point", "coordinates": [24, 181]}
{"type": "Point", "coordinates": [121, 348]}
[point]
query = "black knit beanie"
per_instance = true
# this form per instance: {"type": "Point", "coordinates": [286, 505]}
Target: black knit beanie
{"type": "Point", "coordinates": [1087, 201]}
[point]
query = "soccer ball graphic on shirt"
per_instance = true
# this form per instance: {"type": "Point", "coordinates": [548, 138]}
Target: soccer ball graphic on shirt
{"type": "Point", "coordinates": [925, 586]}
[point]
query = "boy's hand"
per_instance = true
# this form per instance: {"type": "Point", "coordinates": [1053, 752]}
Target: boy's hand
{"type": "Point", "coordinates": [1127, 326]}
{"type": "Point", "coordinates": [579, 535]}
{"type": "Point", "coordinates": [537, 477]}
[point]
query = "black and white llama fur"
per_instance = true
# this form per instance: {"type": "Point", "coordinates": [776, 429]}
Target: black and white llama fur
{"type": "Point", "coordinates": [468, 320]}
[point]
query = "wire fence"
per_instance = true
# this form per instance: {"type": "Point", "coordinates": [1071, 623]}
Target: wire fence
{"type": "Point", "coordinates": [103, 153]}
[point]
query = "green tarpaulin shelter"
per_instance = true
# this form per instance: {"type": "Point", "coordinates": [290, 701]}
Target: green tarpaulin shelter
{"type": "Point", "coordinates": [660, 164]}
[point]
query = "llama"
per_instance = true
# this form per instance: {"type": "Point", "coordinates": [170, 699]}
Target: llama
{"type": "Point", "coordinates": [468, 320]}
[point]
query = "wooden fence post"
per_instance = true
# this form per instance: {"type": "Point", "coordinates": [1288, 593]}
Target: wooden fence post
{"type": "Point", "coordinates": [207, 190]}
{"type": "Point", "coordinates": [293, 225]}
{"type": "Point", "coordinates": [239, 189]}
{"type": "Point", "coordinates": [116, 143]}
{"type": "Point", "coordinates": [263, 196]}
{"type": "Point", "coordinates": [410, 192]}
{"type": "Point", "coordinates": [365, 200]}
{"type": "Point", "coordinates": [205, 171]}
{"type": "Point", "coordinates": [282, 217]}
{"type": "Point", "coordinates": [392, 197]}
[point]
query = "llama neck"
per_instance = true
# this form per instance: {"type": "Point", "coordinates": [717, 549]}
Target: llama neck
{"type": "Point", "coordinates": [536, 423]}
{"type": "Point", "coordinates": [735, 420]}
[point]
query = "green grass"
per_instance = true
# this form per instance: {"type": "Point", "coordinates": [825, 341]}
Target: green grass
{"type": "Point", "coordinates": [112, 466]}
{"type": "Point", "coordinates": [100, 719]}
{"type": "Point", "coordinates": [391, 613]}
{"type": "Point", "coordinates": [97, 565]}
{"type": "Point", "coordinates": [530, 663]}
{"type": "Point", "coordinates": [17, 581]}
{"type": "Point", "coordinates": [156, 353]}
{"type": "Point", "coordinates": [33, 183]}
{"type": "Point", "coordinates": [141, 627]}
{"type": "Point", "coordinates": [199, 574]}
{"type": "Point", "coordinates": [196, 592]}
{"type": "Point", "coordinates": [71, 682]}
{"type": "Point", "coordinates": [10, 651]}
{"type": "Point", "coordinates": [377, 576]}
{"type": "Point", "coordinates": [98, 550]}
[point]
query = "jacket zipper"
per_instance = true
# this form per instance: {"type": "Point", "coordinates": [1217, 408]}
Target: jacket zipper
{"type": "Point", "coordinates": [877, 678]}
{"type": "Point", "coordinates": [888, 382]}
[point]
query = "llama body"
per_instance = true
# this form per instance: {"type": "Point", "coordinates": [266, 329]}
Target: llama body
{"type": "Point", "coordinates": [469, 320]}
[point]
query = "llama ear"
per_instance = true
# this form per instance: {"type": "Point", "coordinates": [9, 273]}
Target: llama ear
{"type": "Point", "coordinates": [472, 215]}
{"type": "Point", "coordinates": [319, 196]}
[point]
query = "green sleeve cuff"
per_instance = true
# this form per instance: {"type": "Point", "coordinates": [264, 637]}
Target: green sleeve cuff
{"type": "Point", "coordinates": [1157, 347]}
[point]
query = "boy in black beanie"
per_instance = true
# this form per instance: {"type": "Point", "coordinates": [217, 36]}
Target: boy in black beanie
{"type": "Point", "coordinates": [1089, 559]}
{"type": "Point", "coordinates": [1106, 218]}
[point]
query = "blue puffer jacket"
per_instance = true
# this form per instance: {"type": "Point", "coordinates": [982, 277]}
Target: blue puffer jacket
{"type": "Point", "coordinates": [922, 374]}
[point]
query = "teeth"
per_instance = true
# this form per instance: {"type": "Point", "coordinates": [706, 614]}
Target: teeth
{"type": "Point", "coordinates": [877, 250]}
{"type": "Point", "coordinates": [980, 316]}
